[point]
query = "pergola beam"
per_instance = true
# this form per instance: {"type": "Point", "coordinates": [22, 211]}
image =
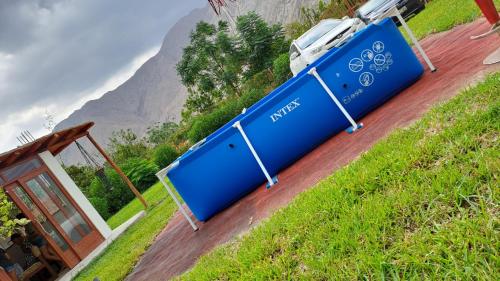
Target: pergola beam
{"type": "Point", "coordinates": [118, 170]}
{"type": "Point", "coordinates": [72, 133]}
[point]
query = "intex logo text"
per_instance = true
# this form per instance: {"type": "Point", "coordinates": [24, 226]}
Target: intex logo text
{"type": "Point", "coordinates": [280, 113]}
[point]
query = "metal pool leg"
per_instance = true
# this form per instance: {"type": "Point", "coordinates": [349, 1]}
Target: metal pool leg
{"type": "Point", "coordinates": [270, 181]}
{"type": "Point", "coordinates": [161, 176]}
{"type": "Point", "coordinates": [354, 127]}
{"type": "Point", "coordinates": [414, 39]}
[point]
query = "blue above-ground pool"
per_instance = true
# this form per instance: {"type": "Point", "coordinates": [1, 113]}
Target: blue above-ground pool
{"type": "Point", "coordinates": [373, 66]}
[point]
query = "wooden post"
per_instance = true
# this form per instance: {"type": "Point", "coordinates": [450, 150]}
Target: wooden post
{"type": "Point", "coordinates": [119, 171]}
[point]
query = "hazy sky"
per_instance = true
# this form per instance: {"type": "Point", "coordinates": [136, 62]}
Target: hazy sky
{"type": "Point", "coordinates": [57, 54]}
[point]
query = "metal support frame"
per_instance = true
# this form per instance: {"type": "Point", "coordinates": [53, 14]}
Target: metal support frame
{"type": "Point", "coordinates": [271, 181]}
{"type": "Point", "coordinates": [414, 39]}
{"type": "Point", "coordinates": [354, 126]}
{"type": "Point", "coordinates": [161, 176]}
{"type": "Point", "coordinates": [393, 11]}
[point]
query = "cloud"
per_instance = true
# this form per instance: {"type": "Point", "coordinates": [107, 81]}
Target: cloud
{"type": "Point", "coordinates": [57, 54]}
{"type": "Point", "coordinates": [34, 118]}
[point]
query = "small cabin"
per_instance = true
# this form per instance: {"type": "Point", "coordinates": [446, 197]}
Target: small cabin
{"type": "Point", "coordinates": [44, 193]}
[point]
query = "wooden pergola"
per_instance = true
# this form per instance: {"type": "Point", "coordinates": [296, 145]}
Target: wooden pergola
{"type": "Point", "coordinates": [55, 143]}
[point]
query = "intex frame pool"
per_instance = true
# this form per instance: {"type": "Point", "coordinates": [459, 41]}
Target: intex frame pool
{"type": "Point", "coordinates": [324, 99]}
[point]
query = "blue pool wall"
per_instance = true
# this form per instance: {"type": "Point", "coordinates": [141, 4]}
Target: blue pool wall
{"type": "Point", "coordinates": [222, 170]}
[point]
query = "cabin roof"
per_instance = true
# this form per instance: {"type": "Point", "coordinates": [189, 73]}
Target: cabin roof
{"type": "Point", "coordinates": [54, 142]}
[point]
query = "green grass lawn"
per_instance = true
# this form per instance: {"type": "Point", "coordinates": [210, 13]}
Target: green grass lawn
{"type": "Point", "coordinates": [296, 242]}
{"type": "Point", "coordinates": [423, 204]}
{"type": "Point", "coordinates": [154, 195]}
{"type": "Point", "coordinates": [441, 15]}
{"type": "Point", "coordinates": [121, 256]}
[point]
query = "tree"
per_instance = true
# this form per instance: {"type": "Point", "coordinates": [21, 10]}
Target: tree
{"type": "Point", "coordinates": [160, 133]}
{"type": "Point", "coordinates": [216, 63]}
{"type": "Point", "coordinates": [210, 67]}
{"type": "Point", "coordinates": [125, 144]}
{"type": "Point", "coordinates": [260, 43]}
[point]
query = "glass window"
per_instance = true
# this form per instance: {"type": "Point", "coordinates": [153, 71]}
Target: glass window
{"type": "Point", "coordinates": [64, 220]}
{"type": "Point", "coordinates": [66, 204]}
{"type": "Point", "coordinates": [316, 33]}
{"type": "Point", "coordinates": [21, 169]}
{"type": "Point", "coordinates": [371, 6]}
{"type": "Point", "coordinates": [58, 205]}
{"type": "Point", "coordinates": [47, 226]}
{"type": "Point", "coordinates": [47, 202]}
{"type": "Point", "coordinates": [68, 227]}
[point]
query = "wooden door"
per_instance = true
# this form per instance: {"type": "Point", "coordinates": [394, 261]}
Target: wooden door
{"type": "Point", "coordinates": [45, 202]}
{"type": "Point", "coordinates": [42, 224]}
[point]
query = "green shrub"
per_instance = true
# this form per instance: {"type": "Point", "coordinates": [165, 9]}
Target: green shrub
{"type": "Point", "coordinates": [116, 195]}
{"type": "Point", "coordinates": [263, 81]}
{"type": "Point", "coordinates": [82, 176]}
{"type": "Point", "coordinates": [141, 172]}
{"type": "Point", "coordinates": [8, 222]}
{"type": "Point", "coordinates": [111, 194]}
{"type": "Point", "coordinates": [339, 9]}
{"type": "Point", "coordinates": [250, 98]}
{"type": "Point", "coordinates": [101, 205]}
{"type": "Point", "coordinates": [164, 154]}
{"type": "Point", "coordinates": [206, 124]}
{"type": "Point", "coordinates": [281, 69]}
{"type": "Point", "coordinates": [180, 135]}
{"type": "Point", "coordinates": [309, 16]}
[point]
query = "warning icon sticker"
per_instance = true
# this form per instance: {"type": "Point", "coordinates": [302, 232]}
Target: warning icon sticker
{"type": "Point", "coordinates": [379, 59]}
{"type": "Point", "coordinates": [356, 65]}
{"type": "Point", "coordinates": [367, 55]}
{"type": "Point", "coordinates": [366, 79]}
{"type": "Point", "coordinates": [378, 47]}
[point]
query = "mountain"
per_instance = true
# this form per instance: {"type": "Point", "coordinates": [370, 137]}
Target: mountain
{"type": "Point", "coordinates": [154, 93]}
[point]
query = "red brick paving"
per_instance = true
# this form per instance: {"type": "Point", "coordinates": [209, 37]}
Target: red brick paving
{"type": "Point", "coordinates": [458, 60]}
